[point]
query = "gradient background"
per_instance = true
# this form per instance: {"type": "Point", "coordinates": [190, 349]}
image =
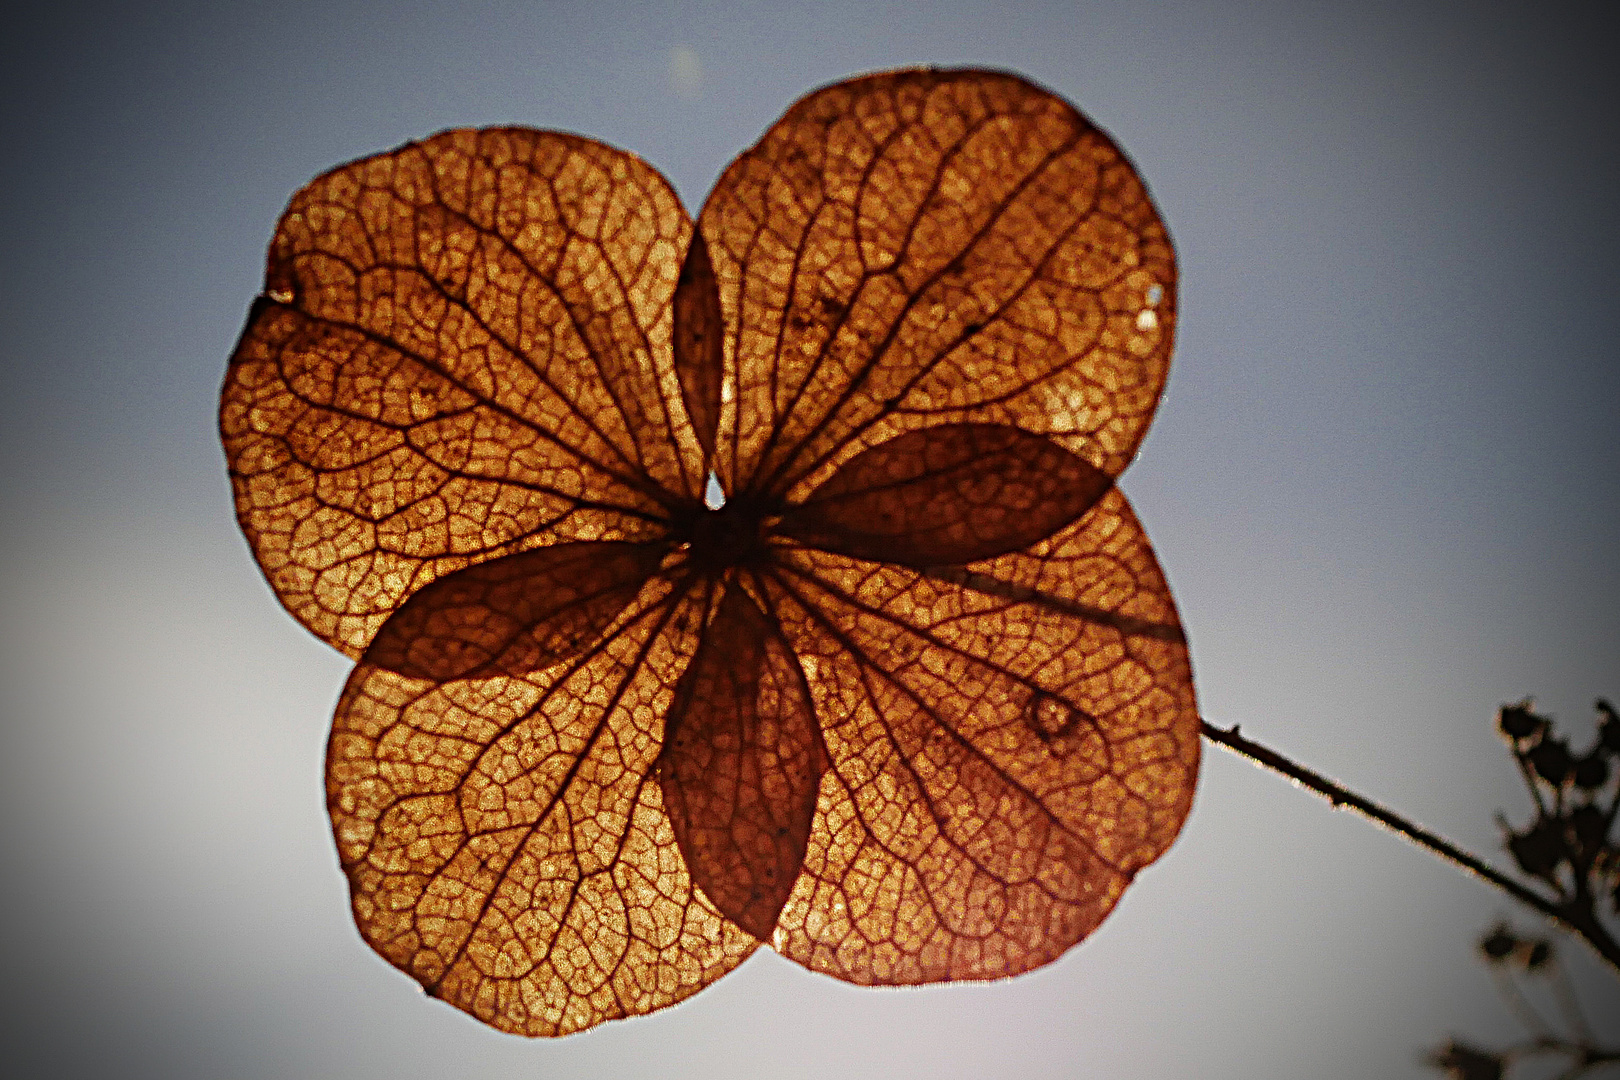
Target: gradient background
{"type": "Point", "coordinates": [1383, 484]}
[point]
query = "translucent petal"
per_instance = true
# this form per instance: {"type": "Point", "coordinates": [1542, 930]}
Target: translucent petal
{"type": "Point", "coordinates": [506, 842]}
{"type": "Point", "coordinates": [1010, 743]}
{"type": "Point", "coordinates": [925, 247]}
{"type": "Point", "coordinates": [463, 350]}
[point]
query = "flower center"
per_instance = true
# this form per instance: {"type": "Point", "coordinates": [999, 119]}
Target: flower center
{"type": "Point", "coordinates": [732, 534]}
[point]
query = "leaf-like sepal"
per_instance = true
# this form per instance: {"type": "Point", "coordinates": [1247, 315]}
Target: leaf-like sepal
{"type": "Point", "coordinates": [514, 615]}
{"type": "Point", "coordinates": [947, 495]}
{"type": "Point", "coordinates": [741, 765]}
{"type": "Point", "coordinates": [699, 343]}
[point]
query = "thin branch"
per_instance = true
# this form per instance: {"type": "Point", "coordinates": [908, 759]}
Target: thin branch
{"type": "Point", "coordinates": [1581, 922]}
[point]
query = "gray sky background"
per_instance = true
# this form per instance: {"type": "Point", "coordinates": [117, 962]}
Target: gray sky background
{"type": "Point", "coordinates": [1383, 485]}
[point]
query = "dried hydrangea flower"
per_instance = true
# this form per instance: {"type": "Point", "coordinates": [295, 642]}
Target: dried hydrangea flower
{"type": "Point", "coordinates": [908, 701]}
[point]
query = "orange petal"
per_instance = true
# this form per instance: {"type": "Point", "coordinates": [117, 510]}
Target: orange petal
{"type": "Point", "coordinates": [464, 349]}
{"type": "Point", "coordinates": [947, 495]}
{"type": "Point", "coordinates": [1008, 747]}
{"type": "Point", "coordinates": [505, 840]}
{"type": "Point", "coordinates": [925, 247]}
{"type": "Point", "coordinates": [741, 764]}
{"type": "Point", "coordinates": [515, 614]}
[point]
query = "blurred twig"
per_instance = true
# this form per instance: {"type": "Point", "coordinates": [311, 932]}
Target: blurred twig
{"type": "Point", "coordinates": [1513, 958]}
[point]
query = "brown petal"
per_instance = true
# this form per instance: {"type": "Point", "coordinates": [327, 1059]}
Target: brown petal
{"type": "Point", "coordinates": [515, 614]}
{"type": "Point", "coordinates": [741, 765]}
{"type": "Point", "coordinates": [504, 838]}
{"type": "Point", "coordinates": [462, 347]}
{"type": "Point", "coordinates": [1006, 751]}
{"type": "Point", "coordinates": [923, 247]}
{"type": "Point", "coordinates": [699, 339]}
{"type": "Point", "coordinates": [947, 495]}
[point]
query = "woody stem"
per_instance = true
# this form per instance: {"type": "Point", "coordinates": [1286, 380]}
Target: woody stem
{"type": "Point", "coordinates": [1578, 918]}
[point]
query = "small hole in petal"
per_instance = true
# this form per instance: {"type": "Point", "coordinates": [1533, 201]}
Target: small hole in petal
{"type": "Point", "coordinates": [714, 497]}
{"type": "Point", "coordinates": [1155, 293]}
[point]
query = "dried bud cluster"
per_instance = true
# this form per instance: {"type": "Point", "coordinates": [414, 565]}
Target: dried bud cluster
{"type": "Point", "coordinates": [1460, 1061]}
{"type": "Point", "coordinates": [1569, 847]}
{"type": "Point", "coordinates": [1503, 946]}
{"type": "Point", "coordinates": [1570, 843]}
